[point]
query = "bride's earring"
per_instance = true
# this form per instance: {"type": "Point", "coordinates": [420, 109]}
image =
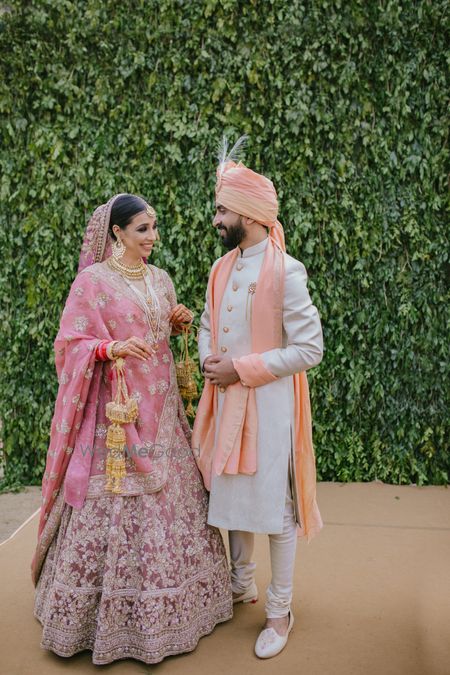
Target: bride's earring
{"type": "Point", "coordinates": [118, 248]}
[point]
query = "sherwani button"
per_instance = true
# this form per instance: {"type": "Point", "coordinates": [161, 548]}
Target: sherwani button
{"type": "Point", "coordinates": [226, 329]}
{"type": "Point", "coordinates": [235, 287]}
{"type": "Point", "coordinates": [221, 389]}
{"type": "Point", "coordinates": [229, 308]}
{"type": "Point", "coordinates": [239, 267]}
{"type": "Point", "coordinates": [223, 349]}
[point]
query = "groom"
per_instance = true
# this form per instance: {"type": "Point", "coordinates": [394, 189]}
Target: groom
{"type": "Point", "coordinates": [259, 333]}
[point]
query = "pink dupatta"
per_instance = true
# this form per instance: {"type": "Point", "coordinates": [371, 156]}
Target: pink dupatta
{"type": "Point", "coordinates": [78, 378]}
{"type": "Point", "coordinates": [85, 321]}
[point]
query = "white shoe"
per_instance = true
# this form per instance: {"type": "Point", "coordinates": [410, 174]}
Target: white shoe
{"type": "Point", "coordinates": [269, 643]}
{"type": "Point", "coordinates": [250, 595]}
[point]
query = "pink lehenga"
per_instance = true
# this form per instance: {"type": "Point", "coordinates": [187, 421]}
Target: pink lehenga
{"type": "Point", "coordinates": [138, 574]}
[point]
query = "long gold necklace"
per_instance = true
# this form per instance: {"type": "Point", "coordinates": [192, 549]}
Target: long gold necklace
{"type": "Point", "coordinates": [150, 305]}
{"type": "Point", "coordinates": [130, 271]}
{"type": "Point", "coordinates": [149, 302]}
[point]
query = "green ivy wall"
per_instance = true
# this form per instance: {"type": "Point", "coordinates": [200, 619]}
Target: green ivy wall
{"type": "Point", "coordinates": [345, 105]}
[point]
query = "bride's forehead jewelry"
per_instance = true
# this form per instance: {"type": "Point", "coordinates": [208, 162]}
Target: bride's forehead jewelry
{"type": "Point", "coordinates": [150, 211]}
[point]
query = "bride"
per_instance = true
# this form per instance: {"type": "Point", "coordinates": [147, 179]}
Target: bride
{"type": "Point", "coordinates": [125, 564]}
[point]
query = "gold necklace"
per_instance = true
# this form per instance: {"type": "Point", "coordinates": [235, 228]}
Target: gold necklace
{"type": "Point", "coordinates": [130, 271]}
{"type": "Point", "coordinates": [149, 304]}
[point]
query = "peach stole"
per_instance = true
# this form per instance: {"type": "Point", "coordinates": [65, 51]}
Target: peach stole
{"type": "Point", "coordinates": [233, 449]}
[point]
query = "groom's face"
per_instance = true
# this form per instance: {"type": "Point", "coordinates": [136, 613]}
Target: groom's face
{"type": "Point", "coordinates": [230, 227]}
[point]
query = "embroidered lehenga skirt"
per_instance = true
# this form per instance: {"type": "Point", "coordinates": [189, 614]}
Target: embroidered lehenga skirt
{"type": "Point", "coordinates": [135, 576]}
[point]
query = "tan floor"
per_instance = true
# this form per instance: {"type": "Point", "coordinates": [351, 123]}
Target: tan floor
{"type": "Point", "coordinates": [372, 597]}
{"type": "Point", "coordinates": [16, 507]}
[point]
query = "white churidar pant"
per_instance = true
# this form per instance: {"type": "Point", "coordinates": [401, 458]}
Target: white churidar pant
{"type": "Point", "coordinates": [282, 557]}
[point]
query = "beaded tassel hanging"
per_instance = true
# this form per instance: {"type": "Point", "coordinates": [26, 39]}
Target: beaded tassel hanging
{"type": "Point", "coordinates": [251, 293]}
{"type": "Point", "coordinates": [122, 410]}
{"type": "Point", "coordinates": [185, 369]}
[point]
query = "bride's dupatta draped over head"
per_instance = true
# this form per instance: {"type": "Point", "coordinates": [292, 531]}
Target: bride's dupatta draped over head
{"type": "Point", "coordinates": [101, 306]}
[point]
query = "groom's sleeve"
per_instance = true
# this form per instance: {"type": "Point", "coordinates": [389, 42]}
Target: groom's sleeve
{"type": "Point", "coordinates": [301, 323]}
{"type": "Point", "coordinates": [303, 331]}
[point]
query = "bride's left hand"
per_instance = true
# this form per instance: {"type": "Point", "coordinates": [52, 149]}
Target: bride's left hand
{"type": "Point", "coordinates": [180, 315]}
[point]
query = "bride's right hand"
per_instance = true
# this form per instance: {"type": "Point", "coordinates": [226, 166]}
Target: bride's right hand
{"type": "Point", "coordinates": [134, 346]}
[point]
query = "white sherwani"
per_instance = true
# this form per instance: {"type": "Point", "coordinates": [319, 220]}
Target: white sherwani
{"type": "Point", "coordinates": [256, 503]}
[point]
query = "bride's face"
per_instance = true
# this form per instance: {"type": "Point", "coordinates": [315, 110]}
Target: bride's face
{"type": "Point", "coordinates": [139, 236]}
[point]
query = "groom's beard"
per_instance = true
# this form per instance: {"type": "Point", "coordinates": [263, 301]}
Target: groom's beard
{"type": "Point", "coordinates": [233, 235]}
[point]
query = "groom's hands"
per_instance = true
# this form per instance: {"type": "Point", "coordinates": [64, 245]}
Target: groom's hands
{"type": "Point", "coordinates": [220, 371]}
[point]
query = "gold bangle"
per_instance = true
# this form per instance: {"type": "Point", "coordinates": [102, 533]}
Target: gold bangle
{"type": "Point", "coordinates": [110, 350]}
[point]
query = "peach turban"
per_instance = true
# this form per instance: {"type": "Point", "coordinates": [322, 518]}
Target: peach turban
{"type": "Point", "coordinates": [251, 195]}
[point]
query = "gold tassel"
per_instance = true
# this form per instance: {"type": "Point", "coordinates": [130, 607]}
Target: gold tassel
{"type": "Point", "coordinates": [122, 410]}
{"type": "Point", "coordinates": [108, 486]}
{"type": "Point", "coordinates": [185, 369]}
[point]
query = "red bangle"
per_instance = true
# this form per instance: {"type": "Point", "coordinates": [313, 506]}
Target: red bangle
{"type": "Point", "coordinates": [100, 351]}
